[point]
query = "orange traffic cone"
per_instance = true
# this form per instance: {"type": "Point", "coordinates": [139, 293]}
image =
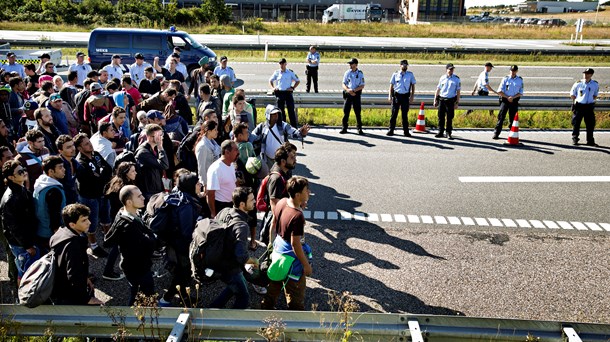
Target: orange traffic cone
{"type": "Point", "coordinates": [513, 135]}
{"type": "Point", "coordinates": [420, 125]}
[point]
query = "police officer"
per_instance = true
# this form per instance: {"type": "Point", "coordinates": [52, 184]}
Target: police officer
{"type": "Point", "coordinates": [353, 83]}
{"type": "Point", "coordinates": [583, 94]}
{"type": "Point", "coordinates": [313, 62]}
{"type": "Point", "coordinates": [402, 90]}
{"type": "Point", "coordinates": [510, 91]}
{"type": "Point", "coordinates": [482, 87]}
{"type": "Point", "coordinates": [223, 69]}
{"type": "Point", "coordinates": [447, 98]}
{"type": "Point", "coordinates": [283, 88]}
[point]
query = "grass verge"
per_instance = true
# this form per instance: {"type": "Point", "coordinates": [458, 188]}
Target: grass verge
{"type": "Point", "coordinates": [477, 119]}
{"type": "Point", "coordinates": [356, 29]}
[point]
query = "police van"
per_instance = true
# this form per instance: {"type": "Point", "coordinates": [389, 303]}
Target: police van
{"type": "Point", "coordinates": [126, 42]}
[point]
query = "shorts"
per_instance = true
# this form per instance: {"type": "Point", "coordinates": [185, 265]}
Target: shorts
{"type": "Point", "coordinates": [100, 211]}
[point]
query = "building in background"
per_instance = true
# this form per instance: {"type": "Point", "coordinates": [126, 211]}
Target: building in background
{"type": "Point", "coordinates": [557, 6]}
{"type": "Point", "coordinates": [432, 10]}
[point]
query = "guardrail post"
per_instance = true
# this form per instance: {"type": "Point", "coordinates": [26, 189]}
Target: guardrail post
{"type": "Point", "coordinates": [571, 334]}
{"type": "Point", "coordinates": [416, 335]}
{"type": "Point", "coordinates": [266, 49]}
{"type": "Point", "coordinates": [181, 328]}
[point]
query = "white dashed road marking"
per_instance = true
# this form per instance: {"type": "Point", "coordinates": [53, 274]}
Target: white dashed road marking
{"type": "Point", "coordinates": [454, 220]}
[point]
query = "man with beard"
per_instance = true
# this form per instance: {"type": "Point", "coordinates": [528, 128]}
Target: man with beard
{"type": "Point", "coordinates": [45, 125]}
{"type": "Point", "coordinates": [31, 156]}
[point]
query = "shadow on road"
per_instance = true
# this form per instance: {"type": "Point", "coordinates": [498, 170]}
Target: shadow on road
{"type": "Point", "coordinates": [602, 149]}
{"type": "Point", "coordinates": [341, 139]}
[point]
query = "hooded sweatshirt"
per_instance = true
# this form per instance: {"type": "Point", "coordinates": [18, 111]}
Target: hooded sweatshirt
{"type": "Point", "coordinates": [49, 199]}
{"type": "Point", "coordinates": [70, 284]}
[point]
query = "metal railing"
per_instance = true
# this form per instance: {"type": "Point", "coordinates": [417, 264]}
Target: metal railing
{"type": "Point", "coordinates": [466, 102]}
{"type": "Point", "coordinates": [175, 324]}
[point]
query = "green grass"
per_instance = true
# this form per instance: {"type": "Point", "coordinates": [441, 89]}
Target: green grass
{"type": "Point", "coordinates": [477, 119]}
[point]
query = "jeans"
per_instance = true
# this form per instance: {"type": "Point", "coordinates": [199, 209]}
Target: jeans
{"type": "Point", "coordinates": [294, 292]}
{"type": "Point", "coordinates": [100, 211]}
{"type": "Point", "coordinates": [236, 286]}
{"type": "Point", "coordinates": [23, 259]}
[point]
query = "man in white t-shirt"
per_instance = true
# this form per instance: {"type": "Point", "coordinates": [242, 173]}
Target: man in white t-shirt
{"type": "Point", "coordinates": [221, 178]}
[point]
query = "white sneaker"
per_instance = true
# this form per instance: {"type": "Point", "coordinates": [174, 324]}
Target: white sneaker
{"type": "Point", "coordinates": [259, 289]}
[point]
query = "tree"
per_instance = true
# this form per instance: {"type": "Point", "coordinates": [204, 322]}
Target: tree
{"type": "Point", "coordinates": [216, 11]}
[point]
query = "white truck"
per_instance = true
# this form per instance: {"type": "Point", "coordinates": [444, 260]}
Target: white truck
{"type": "Point", "coordinates": [345, 12]}
{"type": "Point", "coordinates": [29, 56]}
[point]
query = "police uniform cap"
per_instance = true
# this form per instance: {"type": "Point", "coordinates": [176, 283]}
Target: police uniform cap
{"type": "Point", "coordinates": [138, 56]}
{"type": "Point", "coordinates": [224, 58]}
{"type": "Point", "coordinates": [353, 61]}
{"type": "Point", "coordinates": [10, 54]}
{"type": "Point", "coordinates": [404, 62]}
{"type": "Point", "coordinates": [115, 56]}
{"type": "Point", "coordinates": [44, 55]}
{"type": "Point", "coordinates": [488, 64]}
{"type": "Point", "coordinates": [589, 71]}
{"type": "Point", "coordinates": [514, 68]}
{"type": "Point", "coordinates": [80, 54]}
{"type": "Point", "coordinates": [449, 66]}
{"type": "Point", "coordinates": [282, 61]}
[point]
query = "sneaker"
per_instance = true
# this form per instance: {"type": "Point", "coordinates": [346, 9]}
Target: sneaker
{"type": "Point", "coordinates": [440, 135]}
{"type": "Point", "coordinates": [158, 254]}
{"type": "Point", "coordinates": [360, 131]}
{"type": "Point", "coordinates": [390, 133]}
{"type": "Point", "coordinates": [164, 304]}
{"type": "Point", "coordinates": [343, 131]}
{"type": "Point", "coordinates": [496, 137]}
{"type": "Point", "coordinates": [259, 289]}
{"type": "Point", "coordinates": [113, 276]}
{"type": "Point", "coordinates": [99, 252]}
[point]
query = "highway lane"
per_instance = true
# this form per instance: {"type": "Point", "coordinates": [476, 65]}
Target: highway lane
{"type": "Point", "coordinates": [542, 80]}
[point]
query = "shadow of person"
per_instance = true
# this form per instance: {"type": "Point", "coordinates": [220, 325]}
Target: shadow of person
{"type": "Point", "coordinates": [580, 147]}
{"type": "Point", "coordinates": [339, 139]}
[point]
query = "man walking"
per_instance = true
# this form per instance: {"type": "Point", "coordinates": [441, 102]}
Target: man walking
{"type": "Point", "coordinates": [510, 91]}
{"type": "Point", "coordinates": [447, 98]}
{"type": "Point", "coordinates": [50, 199]}
{"type": "Point", "coordinates": [313, 63]}
{"type": "Point", "coordinates": [482, 87]}
{"type": "Point", "coordinates": [153, 161]}
{"type": "Point", "coordinates": [221, 180]}
{"type": "Point", "coordinates": [401, 93]}
{"type": "Point", "coordinates": [353, 83]}
{"type": "Point", "coordinates": [283, 89]}
{"type": "Point", "coordinates": [583, 95]}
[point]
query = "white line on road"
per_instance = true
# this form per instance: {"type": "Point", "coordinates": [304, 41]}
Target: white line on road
{"type": "Point", "coordinates": [534, 179]}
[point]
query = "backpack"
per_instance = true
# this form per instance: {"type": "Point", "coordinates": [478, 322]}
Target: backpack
{"type": "Point", "coordinates": [37, 282]}
{"type": "Point", "coordinates": [207, 248]}
{"type": "Point", "coordinates": [158, 216]}
{"type": "Point", "coordinates": [186, 151]}
{"type": "Point", "coordinates": [262, 198]}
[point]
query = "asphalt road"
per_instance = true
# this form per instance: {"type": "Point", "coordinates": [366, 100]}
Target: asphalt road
{"type": "Point", "coordinates": [541, 80]}
{"type": "Point", "coordinates": [391, 263]}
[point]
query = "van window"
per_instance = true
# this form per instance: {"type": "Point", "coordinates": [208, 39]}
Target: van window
{"type": "Point", "coordinates": [146, 42]}
{"type": "Point", "coordinates": [179, 42]}
{"type": "Point", "coordinates": [120, 41]}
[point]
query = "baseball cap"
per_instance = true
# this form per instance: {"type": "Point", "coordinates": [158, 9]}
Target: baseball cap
{"type": "Point", "coordinates": [204, 60]}
{"type": "Point", "coordinates": [80, 54]}
{"type": "Point", "coordinates": [589, 71]}
{"type": "Point", "coordinates": [54, 97]}
{"type": "Point", "coordinates": [353, 61]}
{"type": "Point", "coordinates": [404, 62]}
{"type": "Point", "coordinates": [10, 54]}
{"type": "Point", "coordinates": [488, 64]}
{"type": "Point", "coordinates": [224, 58]}
{"type": "Point", "coordinates": [30, 105]}
{"type": "Point", "coordinates": [115, 56]}
{"type": "Point", "coordinates": [275, 110]}
{"type": "Point", "coordinates": [6, 88]}
{"type": "Point", "coordinates": [95, 86]}
{"type": "Point", "coordinates": [449, 66]}
{"type": "Point", "coordinates": [514, 68]}
{"type": "Point", "coordinates": [282, 61]}
{"type": "Point", "coordinates": [154, 114]}
{"type": "Point", "coordinates": [44, 55]}
{"type": "Point", "coordinates": [138, 56]}
{"type": "Point", "coordinates": [175, 55]}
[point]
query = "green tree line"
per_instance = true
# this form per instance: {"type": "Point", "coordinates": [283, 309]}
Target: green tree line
{"type": "Point", "coordinates": [140, 13]}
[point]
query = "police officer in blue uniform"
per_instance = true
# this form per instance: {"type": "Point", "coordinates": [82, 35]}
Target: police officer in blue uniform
{"type": "Point", "coordinates": [447, 98]}
{"type": "Point", "coordinates": [283, 88]}
{"type": "Point", "coordinates": [401, 93]}
{"type": "Point", "coordinates": [313, 62]}
{"type": "Point", "coordinates": [510, 91]}
{"type": "Point", "coordinates": [583, 94]}
{"type": "Point", "coordinates": [353, 83]}
{"type": "Point", "coordinates": [482, 87]}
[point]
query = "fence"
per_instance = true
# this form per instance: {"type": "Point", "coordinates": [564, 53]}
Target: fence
{"type": "Point", "coordinates": [177, 324]}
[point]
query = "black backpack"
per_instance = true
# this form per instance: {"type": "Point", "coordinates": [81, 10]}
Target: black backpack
{"type": "Point", "coordinates": [37, 282]}
{"type": "Point", "coordinates": [158, 216]}
{"type": "Point", "coordinates": [207, 248]}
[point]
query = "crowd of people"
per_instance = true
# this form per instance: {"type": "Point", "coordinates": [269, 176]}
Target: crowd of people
{"type": "Point", "coordinates": [103, 154]}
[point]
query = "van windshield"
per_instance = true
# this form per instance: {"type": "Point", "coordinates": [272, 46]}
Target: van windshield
{"type": "Point", "coordinates": [192, 41]}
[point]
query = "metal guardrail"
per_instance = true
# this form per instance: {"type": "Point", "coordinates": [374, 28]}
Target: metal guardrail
{"type": "Point", "coordinates": [466, 102]}
{"type": "Point", "coordinates": [175, 324]}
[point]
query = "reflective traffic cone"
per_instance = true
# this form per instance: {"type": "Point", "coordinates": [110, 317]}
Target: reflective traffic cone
{"type": "Point", "coordinates": [420, 125]}
{"type": "Point", "coordinates": [513, 135]}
